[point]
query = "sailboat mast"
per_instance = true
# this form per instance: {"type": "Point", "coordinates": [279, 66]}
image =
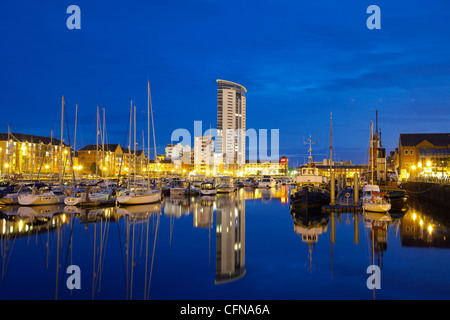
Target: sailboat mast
{"type": "Point", "coordinates": [148, 134]}
{"type": "Point", "coordinates": [371, 151]}
{"type": "Point", "coordinates": [129, 148]}
{"type": "Point", "coordinates": [134, 177]}
{"type": "Point", "coordinates": [331, 139]}
{"type": "Point", "coordinates": [103, 140]}
{"type": "Point", "coordinates": [61, 143]}
{"type": "Point", "coordinates": [153, 123]}
{"type": "Point", "coordinates": [75, 138]}
{"type": "Point", "coordinates": [96, 144]}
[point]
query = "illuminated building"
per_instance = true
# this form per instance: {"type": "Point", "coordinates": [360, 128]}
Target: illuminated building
{"type": "Point", "coordinates": [27, 154]}
{"type": "Point", "coordinates": [204, 155]}
{"type": "Point", "coordinates": [424, 154]}
{"type": "Point", "coordinates": [231, 124]}
{"type": "Point", "coordinates": [345, 167]}
{"type": "Point", "coordinates": [111, 159]}
{"type": "Point", "coordinates": [265, 168]}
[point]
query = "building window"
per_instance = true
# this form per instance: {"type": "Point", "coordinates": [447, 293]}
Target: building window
{"type": "Point", "coordinates": [406, 151]}
{"type": "Point", "coordinates": [411, 151]}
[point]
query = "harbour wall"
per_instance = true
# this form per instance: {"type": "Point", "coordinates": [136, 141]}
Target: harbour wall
{"type": "Point", "coordinates": [432, 192]}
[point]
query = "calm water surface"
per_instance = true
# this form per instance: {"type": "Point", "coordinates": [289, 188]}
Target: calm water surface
{"type": "Point", "coordinates": [248, 245]}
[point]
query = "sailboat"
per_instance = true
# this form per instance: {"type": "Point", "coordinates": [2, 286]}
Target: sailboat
{"type": "Point", "coordinates": [45, 196]}
{"type": "Point", "coordinates": [372, 199]}
{"type": "Point", "coordinates": [142, 195]}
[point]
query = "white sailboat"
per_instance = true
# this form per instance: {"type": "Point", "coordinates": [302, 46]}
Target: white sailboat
{"type": "Point", "coordinates": [41, 197]}
{"type": "Point", "coordinates": [142, 195]}
{"type": "Point", "coordinates": [47, 196]}
{"type": "Point", "coordinates": [372, 199]}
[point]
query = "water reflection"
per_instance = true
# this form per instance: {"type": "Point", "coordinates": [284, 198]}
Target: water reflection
{"type": "Point", "coordinates": [309, 223]}
{"type": "Point", "coordinates": [230, 237]}
{"type": "Point", "coordinates": [118, 247]}
{"type": "Point", "coordinates": [425, 225]}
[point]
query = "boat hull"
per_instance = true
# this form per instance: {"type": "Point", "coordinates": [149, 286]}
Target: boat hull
{"type": "Point", "coordinates": [376, 207]}
{"type": "Point", "coordinates": [139, 199]}
{"type": "Point", "coordinates": [225, 189]}
{"type": "Point", "coordinates": [10, 199]}
{"type": "Point", "coordinates": [310, 196]}
{"type": "Point", "coordinates": [178, 191]}
{"type": "Point", "coordinates": [208, 192]}
{"type": "Point", "coordinates": [40, 199]}
{"type": "Point", "coordinates": [94, 199]}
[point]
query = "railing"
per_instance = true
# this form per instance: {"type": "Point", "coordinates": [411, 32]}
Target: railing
{"type": "Point", "coordinates": [430, 180]}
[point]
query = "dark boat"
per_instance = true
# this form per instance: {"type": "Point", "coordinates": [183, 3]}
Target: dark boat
{"type": "Point", "coordinates": [311, 188]}
{"type": "Point", "coordinates": [397, 197]}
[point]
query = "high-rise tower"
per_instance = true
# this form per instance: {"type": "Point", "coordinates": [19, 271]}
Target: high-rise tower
{"type": "Point", "coordinates": [231, 105]}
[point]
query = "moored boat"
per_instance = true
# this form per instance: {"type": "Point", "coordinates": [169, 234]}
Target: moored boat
{"type": "Point", "coordinates": [207, 188]}
{"type": "Point", "coordinates": [225, 184]}
{"type": "Point", "coordinates": [139, 196]}
{"type": "Point", "coordinates": [267, 182]}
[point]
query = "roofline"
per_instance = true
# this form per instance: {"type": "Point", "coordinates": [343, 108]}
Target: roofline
{"type": "Point", "coordinates": [237, 84]}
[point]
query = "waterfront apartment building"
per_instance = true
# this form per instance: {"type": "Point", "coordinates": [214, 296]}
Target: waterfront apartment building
{"type": "Point", "coordinates": [110, 160]}
{"type": "Point", "coordinates": [176, 151]}
{"type": "Point", "coordinates": [29, 155]}
{"type": "Point", "coordinates": [424, 154]}
{"type": "Point", "coordinates": [231, 124]}
{"type": "Point", "coordinates": [204, 155]}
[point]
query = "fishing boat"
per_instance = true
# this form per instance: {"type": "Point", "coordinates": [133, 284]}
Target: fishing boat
{"type": "Point", "coordinates": [225, 184]}
{"type": "Point", "coordinates": [267, 182]}
{"type": "Point", "coordinates": [311, 188]}
{"type": "Point", "coordinates": [372, 199]}
{"type": "Point", "coordinates": [207, 188]}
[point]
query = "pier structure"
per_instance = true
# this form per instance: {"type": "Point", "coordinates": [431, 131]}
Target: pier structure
{"type": "Point", "coordinates": [344, 198]}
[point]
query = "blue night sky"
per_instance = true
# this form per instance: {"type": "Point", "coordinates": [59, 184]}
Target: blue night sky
{"type": "Point", "coordinates": [299, 60]}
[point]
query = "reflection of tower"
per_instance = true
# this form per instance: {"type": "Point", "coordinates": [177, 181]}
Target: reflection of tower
{"type": "Point", "coordinates": [230, 237]}
{"type": "Point", "coordinates": [203, 211]}
{"type": "Point", "coordinates": [309, 223]}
